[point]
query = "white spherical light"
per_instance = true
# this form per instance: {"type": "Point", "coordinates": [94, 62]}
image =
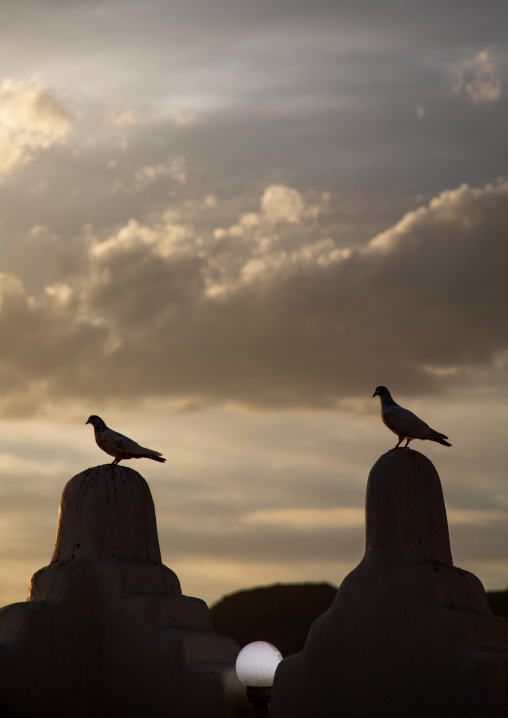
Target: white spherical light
{"type": "Point", "coordinates": [256, 663]}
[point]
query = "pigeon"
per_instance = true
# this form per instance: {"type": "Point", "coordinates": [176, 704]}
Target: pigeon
{"type": "Point", "coordinates": [404, 423]}
{"type": "Point", "coordinates": [118, 445]}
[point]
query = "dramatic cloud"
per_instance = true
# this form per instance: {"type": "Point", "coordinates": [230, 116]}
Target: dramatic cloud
{"type": "Point", "coordinates": [31, 119]}
{"type": "Point", "coordinates": [260, 317]}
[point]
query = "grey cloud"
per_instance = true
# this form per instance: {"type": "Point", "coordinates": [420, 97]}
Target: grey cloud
{"type": "Point", "coordinates": [479, 544]}
{"type": "Point", "coordinates": [28, 522]}
{"type": "Point", "coordinates": [41, 258]}
{"type": "Point", "coordinates": [320, 95]}
{"type": "Point", "coordinates": [478, 79]}
{"type": "Point", "coordinates": [160, 312]}
{"type": "Point", "coordinates": [269, 545]}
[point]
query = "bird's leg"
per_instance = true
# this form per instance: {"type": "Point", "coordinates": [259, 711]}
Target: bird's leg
{"type": "Point", "coordinates": [397, 444]}
{"type": "Point", "coordinates": [407, 443]}
{"type": "Point", "coordinates": [115, 462]}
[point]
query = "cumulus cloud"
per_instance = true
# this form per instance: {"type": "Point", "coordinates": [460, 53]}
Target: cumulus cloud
{"type": "Point", "coordinates": [31, 119]}
{"type": "Point", "coordinates": [279, 206]}
{"type": "Point", "coordinates": [173, 167]}
{"type": "Point", "coordinates": [477, 78]}
{"type": "Point", "coordinates": [160, 311]}
{"type": "Point", "coordinates": [282, 204]}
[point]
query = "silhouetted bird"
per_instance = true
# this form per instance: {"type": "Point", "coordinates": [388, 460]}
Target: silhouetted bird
{"type": "Point", "coordinates": [118, 445]}
{"type": "Point", "coordinates": [404, 423]}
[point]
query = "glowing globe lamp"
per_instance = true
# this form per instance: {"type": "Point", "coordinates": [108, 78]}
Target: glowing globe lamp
{"type": "Point", "coordinates": [255, 667]}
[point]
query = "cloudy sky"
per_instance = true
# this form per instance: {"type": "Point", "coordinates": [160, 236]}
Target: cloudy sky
{"type": "Point", "coordinates": [222, 225]}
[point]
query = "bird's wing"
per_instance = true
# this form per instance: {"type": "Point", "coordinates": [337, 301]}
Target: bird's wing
{"type": "Point", "coordinates": [117, 444]}
{"type": "Point", "coordinates": [404, 423]}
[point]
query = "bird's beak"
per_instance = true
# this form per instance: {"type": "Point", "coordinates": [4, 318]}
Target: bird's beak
{"type": "Point", "coordinates": [375, 394]}
{"type": "Point", "coordinates": [87, 422]}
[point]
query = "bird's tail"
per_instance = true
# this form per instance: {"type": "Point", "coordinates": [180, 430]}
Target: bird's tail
{"type": "Point", "coordinates": [157, 458]}
{"type": "Point", "coordinates": [439, 440]}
